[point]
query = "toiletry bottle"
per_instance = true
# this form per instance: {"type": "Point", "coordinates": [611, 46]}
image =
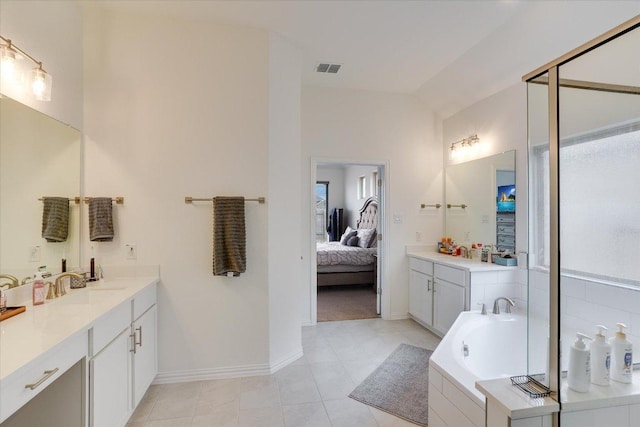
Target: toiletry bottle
{"type": "Point", "coordinates": [92, 269]}
{"type": "Point", "coordinates": [579, 374]}
{"type": "Point", "coordinates": [38, 289]}
{"type": "Point", "coordinates": [621, 356]}
{"type": "Point", "coordinates": [600, 358]}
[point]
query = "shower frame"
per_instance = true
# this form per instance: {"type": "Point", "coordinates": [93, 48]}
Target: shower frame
{"type": "Point", "coordinates": [554, 83]}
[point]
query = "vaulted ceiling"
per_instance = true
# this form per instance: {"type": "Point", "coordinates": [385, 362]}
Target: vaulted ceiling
{"type": "Point", "coordinates": [449, 53]}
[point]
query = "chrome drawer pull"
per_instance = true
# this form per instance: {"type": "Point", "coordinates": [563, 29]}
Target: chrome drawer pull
{"type": "Point", "coordinates": [47, 375]}
{"type": "Point", "coordinates": [139, 329]}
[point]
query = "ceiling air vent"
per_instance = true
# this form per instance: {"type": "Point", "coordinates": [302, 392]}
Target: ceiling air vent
{"type": "Point", "coordinates": [328, 68]}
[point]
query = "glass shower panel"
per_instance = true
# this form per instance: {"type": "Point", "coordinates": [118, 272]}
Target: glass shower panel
{"type": "Point", "coordinates": [599, 168]}
{"type": "Point", "coordinates": [538, 289]}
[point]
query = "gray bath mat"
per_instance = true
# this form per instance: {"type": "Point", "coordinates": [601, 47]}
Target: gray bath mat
{"type": "Point", "coordinates": [400, 386]}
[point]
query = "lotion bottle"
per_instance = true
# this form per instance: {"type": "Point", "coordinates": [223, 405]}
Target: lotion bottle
{"type": "Point", "coordinates": [621, 356]}
{"type": "Point", "coordinates": [600, 358]}
{"type": "Point", "coordinates": [579, 375]}
{"type": "Point", "coordinates": [38, 289]}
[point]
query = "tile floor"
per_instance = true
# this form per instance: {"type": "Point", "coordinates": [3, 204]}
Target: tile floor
{"type": "Point", "coordinates": [312, 391]}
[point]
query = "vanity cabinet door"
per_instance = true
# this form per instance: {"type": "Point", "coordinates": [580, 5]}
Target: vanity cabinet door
{"type": "Point", "coordinates": [421, 297]}
{"type": "Point", "coordinates": [145, 359]}
{"type": "Point", "coordinates": [109, 384]}
{"type": "Point", "coordinates": [448, 303]}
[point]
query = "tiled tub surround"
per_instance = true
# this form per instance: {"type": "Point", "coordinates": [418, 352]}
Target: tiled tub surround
{"type": "Point", "coordinates": [496, 348]}
{"type": "Point", "coordinates": [75, 327]}
{"type": "Point", "coordinates": [585, 303]}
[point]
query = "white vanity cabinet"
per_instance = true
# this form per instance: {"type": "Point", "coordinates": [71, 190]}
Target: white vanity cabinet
{"type": "Point", "coordinates": [124, 362]}
{"type": "Point", "coordinates": [145, 356]}
{"type": "Point", "coordinates": [436, 294]}
{"type": "Point", "coordinates": [449, 296]}
{"type": "Point", "coordinates": [421, 291]}
{"type": "Point", "coordinates": [442, 286]}
{"type": "Point", "coordinates": [109, 383]}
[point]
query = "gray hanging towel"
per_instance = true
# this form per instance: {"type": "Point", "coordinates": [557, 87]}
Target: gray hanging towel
{"type": "Point", "coordinates": [55, 219]}
{"type": "Point", "coordinates": [229, 236]}
{"type": "Point", "coordinates": [100, 219]}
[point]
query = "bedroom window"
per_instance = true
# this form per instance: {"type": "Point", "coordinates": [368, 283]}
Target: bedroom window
{"type": "Point", "coordinates": [322, 209]}
{"type": "Point", "coordinates": [362, 187]}
{"type": "Point", "coordinates": [374, 183]}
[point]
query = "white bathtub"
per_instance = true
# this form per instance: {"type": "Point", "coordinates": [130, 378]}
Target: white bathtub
{"type": "Point", "coordinates": [497, 348]}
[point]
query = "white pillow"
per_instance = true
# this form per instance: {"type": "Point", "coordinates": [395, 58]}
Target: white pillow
{"type": "Point", "coordinates": [365, 236]}
{"type": "Point", "coordinates": [349, 232]}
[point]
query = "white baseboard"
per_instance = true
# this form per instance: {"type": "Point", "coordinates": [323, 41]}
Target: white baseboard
{"type": "Point", "coordinates": [226, 372]}
{"type": "Point", "coordinates": [295, 355]}
{"type": "Point", "coordinates": [212, 374]}
{"type": "Point", "coordinates": [397, 316]}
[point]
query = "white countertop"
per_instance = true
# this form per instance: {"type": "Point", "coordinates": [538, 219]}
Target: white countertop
{"type": "Point", "coordinates": [456, 261]}
{"type": "Point", "coordinates": [39, 329]}
{"type": "Point", "coordinates": [514, 402]}
{"type": "Point", "coordinates": [615, 394]}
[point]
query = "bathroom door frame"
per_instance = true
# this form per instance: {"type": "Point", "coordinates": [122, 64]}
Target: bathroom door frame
{"type": "Point", "coordinates": [383, 240]}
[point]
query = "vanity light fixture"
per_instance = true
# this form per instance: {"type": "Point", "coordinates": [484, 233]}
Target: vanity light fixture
{"type": "Point", "coordinates": [39, 80]}
{"type": "Point", "coordinates": [462, 147]}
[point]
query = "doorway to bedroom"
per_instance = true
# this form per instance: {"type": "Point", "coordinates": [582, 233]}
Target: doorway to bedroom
{"type": "Point", "coordinates": [348, 221]}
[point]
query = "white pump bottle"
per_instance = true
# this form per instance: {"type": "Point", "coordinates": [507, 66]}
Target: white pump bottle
{"type": "Point", "coordinates": [579, 375]}
{"type": "Point", "coordinates": [621, 356]}
{"type": "Point", "coordinates": [600, 358]}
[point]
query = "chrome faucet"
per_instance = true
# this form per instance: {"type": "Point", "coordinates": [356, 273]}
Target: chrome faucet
{"type": "Point", "coordinates": [59, 285]}
{"type": "Point", "coordinates": [14, 280]}
{"type": "Point", "coordinates": [496, 305]}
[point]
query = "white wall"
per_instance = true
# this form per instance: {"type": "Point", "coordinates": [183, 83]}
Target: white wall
{"type": "Point", "coordinates": [501, 124]}
{"type": "Point", "coordinates": [51, 32]}
{"type": "Point", "coordinates": [285, 194]}
{"type": "Point", "coordinates": [161, 127]}
{"type": "Point", "coordinates": [371, 127]}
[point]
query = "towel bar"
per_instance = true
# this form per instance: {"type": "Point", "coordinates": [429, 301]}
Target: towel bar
{"type": "Point", "coordinates": [189, 199]}
{"type": "Point", "coordinates": [75, 200]}
{"type": "Point", "coordinates": [118, 200]}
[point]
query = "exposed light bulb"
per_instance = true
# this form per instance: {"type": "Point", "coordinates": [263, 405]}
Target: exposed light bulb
{"type": "Point", "coordinates": [8, 58]}
{"type": "Point", "coordinates": [41, 84]}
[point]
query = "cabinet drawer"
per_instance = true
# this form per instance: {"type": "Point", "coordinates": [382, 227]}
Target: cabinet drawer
{"type": "Point", "coordinates": [107, 327]}
{"type": "Point", "coordinates": [506, 228]}
{"type": "Point", "coordinates": [449, 274]}
{"type": "Point", "coordinates": [421, 265]}
{"type": "Point", "coordinates": [39, 374]}
{"type": "Point", "coordinates": [144, 300]}
{"type": "Point", "coordinates": [506, 240]}
{"type": "Point", "coordinates": [505, 220]}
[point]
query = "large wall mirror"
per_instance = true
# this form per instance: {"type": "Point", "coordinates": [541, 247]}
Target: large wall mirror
{"type": "Point", "coordinates": [39, 157]}
{"type": "Point", "coordinates": [486, 188]}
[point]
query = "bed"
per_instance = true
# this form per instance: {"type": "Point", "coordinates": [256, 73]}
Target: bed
{"type": "Point", "coordinates": [340, 264]}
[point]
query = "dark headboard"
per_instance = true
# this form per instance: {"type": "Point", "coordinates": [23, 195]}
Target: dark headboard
{"type": "Point", "coordinates": [369, 214]}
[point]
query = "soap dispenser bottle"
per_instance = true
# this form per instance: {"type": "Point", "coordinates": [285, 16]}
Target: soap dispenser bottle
{"type": "Point", "coordinates": [600, 358]}
{"type": "Point", "coordinates": [621, 356]}
{"type": "Point", "coordinates": [38, 289]}
{"type": "Point", "coordinates": [579, 374]}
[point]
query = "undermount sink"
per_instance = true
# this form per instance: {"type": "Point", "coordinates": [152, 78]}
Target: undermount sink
{"type": "Point", "coordinates": [87, 295]}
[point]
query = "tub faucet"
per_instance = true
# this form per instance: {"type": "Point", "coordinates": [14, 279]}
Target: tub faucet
{"type": "Point", "coordinates": [14, 280]}
{"type": "Point", "coordinates": [496, 305]}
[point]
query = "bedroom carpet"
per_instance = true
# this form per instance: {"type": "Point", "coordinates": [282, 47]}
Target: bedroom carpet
{"type": "Point", "coordinates": [346, 303]}
{"type": "Point", "coordinates": [400, 386]}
